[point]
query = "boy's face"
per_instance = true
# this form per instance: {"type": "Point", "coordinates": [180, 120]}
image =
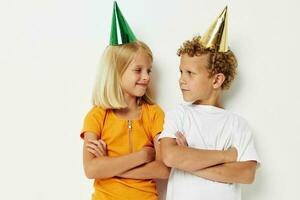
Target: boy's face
{"type": "Point", "coordinates": [194, 80]}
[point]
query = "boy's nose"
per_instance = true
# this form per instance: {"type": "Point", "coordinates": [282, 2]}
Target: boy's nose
{"type": "Point", "coordinates": [181, 80]}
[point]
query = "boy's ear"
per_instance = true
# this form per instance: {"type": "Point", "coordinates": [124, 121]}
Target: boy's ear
{"type": "Point", "coordinates": [218, 80]}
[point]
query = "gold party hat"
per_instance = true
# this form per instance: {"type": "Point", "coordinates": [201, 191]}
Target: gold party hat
{"type": "Point", "coordinates": [216, 36]}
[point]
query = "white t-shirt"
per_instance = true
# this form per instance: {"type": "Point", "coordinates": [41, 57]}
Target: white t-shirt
{"type": "Point", "coordinates": [213, 128]}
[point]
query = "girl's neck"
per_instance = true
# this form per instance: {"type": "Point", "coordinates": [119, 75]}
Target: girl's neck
{"type": "Point", "coordinates": [133, 111]}
{"type": "Point", "coordinates": [131, 102]}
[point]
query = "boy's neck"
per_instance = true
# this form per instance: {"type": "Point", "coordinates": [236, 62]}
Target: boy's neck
{"type": "Point", "coordinates": [214, 100]}
{"type": "Point", "coordinates": [216, 104]}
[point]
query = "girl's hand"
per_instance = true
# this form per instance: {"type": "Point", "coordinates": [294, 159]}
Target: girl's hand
{"type": "Point", "coordinates": [96, 147]}
{"type": "Point", "coordinates": [180, 139]}
{"type": "Point", "coordinates": [148, 153]}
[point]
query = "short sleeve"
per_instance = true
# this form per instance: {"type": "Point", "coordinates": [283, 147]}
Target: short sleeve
{"type": "Point", "coordinates": [156, 126]}
{"type": "Point", "coordinates": [244, 142]}
{"type": "Point", "coordinates": [173, 122]}
{"type": "Point", "coordinates": [93, 121]}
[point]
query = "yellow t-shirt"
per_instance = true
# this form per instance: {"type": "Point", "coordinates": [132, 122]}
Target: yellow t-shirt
{"type": "Point", "coordinates": [121, 139]}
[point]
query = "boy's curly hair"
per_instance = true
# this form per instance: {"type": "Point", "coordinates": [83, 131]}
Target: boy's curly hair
{"type": "Point", "coordinates": [219, 62]}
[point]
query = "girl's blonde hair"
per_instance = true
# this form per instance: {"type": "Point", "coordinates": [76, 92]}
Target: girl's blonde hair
{"type": "Point", "coordinates": [107, 92]}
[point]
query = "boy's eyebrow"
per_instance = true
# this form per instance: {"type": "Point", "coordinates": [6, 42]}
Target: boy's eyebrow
{"type": "Point", "coordinates": [180, 67]}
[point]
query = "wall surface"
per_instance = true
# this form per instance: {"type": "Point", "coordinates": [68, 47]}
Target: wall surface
{"type": "Point", "coordinates": [49, 52]}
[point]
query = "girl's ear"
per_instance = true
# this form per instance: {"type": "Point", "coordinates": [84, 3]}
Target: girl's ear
{"type": "Point", "coordinates": [218, 80]}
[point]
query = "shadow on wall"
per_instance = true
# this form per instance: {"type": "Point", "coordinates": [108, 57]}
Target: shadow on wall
{"type": "Point", "coordinates": [234, 89]}
{"type": "Point", "coordinates": [252, 191]}
{"type": "Point", "coordinates": [249, 191]}
{"type": "Point", "coordinates": [155, 81]}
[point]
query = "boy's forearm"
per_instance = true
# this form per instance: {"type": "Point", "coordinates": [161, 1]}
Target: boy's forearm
{"type": "Point", "coordinates": [189, 159]}
{"type": "Point", "coordinates": [153, 170]}
{"type": "Point", "coordinates": [235, 172]}
{"type": "Point", "coordinates": [186, 158]}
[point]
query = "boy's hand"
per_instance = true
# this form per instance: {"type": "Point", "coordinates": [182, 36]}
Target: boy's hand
{"type": "Point", "coordinates": [230, 154]}
{"type": "Point", "coordinates": [180, 139]}
{"type": "Point", "coordinates": [97, 147]}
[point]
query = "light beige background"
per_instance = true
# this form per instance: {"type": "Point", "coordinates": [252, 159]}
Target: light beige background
{"type": "Point", "coordinates": [49, 51]}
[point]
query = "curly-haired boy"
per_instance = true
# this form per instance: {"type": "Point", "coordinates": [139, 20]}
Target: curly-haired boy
{"type": "Point", "coordinates": [211, 150]}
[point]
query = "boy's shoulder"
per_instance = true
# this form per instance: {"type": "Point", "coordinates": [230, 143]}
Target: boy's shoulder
{"type": "Point", "coordinates": [237, 116]}
{"type": "Point", "coordinates": [178, 111]}
{"type": "Point", "coordinates": [178, 108]}
{"type": "Point", "coordinates": [239, 121]}
{"type": "Point", "coordinates": [187, 108]}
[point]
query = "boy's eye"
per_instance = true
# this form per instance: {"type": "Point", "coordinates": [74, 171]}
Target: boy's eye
{"type": "Point", "coordinates": [180, 71]}
{"type": "Point", "coordinates": [137, 70]}
{"type": "Point", "coordinates": [149, 71]}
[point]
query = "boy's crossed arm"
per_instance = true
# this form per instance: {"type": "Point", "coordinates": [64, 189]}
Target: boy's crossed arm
{"type": "Point", "coordinates": [192, 159]}
{"type": "Point", "coordinates": [234, 172]}
{"type": "Point", "coordinates": [214, 165]}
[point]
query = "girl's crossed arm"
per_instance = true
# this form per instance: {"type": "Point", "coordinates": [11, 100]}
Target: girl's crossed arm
{"type": "Point", "coordinates": [105, 167]}
{"type": "Point", "coordinates": [153, 170]}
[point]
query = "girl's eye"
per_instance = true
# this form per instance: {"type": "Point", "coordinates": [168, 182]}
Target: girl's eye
{"type": "Point", "coordinates": [137, 70]}
{"type": "Point", "coordinates": [180, 71]}
{"type": "Point", "coordinates": [149, 71]}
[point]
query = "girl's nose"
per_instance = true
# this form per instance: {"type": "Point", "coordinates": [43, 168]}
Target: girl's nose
{"type": "Point", "coordinates": [145, 76]}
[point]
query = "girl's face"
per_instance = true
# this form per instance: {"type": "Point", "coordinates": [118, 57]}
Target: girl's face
{"type": "Point", "coordinates": [136, 78]}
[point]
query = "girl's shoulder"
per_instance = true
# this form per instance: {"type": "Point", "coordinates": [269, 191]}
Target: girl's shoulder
{"type": "Point", "coordinates": [153, 118]}
{"type": "Point", "coordinates": [96, 112]}
{"type": "Point", "coordinates": [152, 108]}
{"type": "Point", "coordinates": [97, 109]}
{"type": "Point", "coordinates": [152, 112]}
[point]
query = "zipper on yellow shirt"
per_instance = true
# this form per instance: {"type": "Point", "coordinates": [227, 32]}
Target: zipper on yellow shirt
{"type": "Point", "coordinates": [130, 136]}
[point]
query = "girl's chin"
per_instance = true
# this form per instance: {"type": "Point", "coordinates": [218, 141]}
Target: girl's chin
{"type": "Point", "coordinates": [139, 94]}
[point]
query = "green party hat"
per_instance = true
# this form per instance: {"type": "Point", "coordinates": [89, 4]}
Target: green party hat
{"type": "Point", "coordinates": [120, 29]}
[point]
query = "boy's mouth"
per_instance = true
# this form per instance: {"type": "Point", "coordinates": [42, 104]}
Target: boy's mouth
{"type": "Point", "coordinates": [184, 90]}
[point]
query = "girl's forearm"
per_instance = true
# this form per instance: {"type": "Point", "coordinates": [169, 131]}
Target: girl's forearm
{"type": "Point", "coordinates": [153, 170]}
{"type": "Point", "coordinates": [106, 167]}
